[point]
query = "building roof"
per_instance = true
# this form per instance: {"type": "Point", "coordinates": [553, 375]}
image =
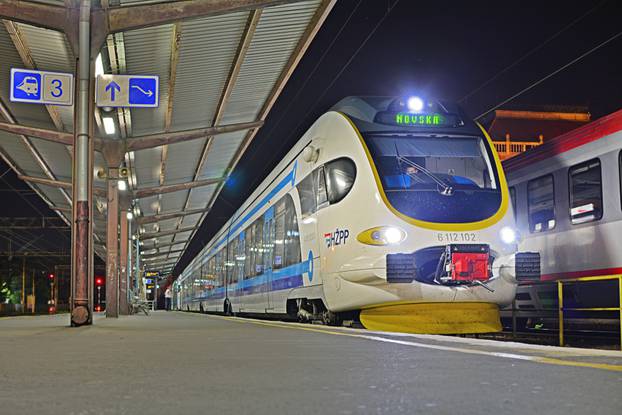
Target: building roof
{"type": "Point", "coordinates": [220, 69]}
{"type": "Point", "coordinates": [528, 126]}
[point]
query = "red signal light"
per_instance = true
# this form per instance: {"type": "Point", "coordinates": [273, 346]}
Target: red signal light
{"type": "Point", "coordinates": [51, 276]}
{"type": "Point", "coordinates": [99, 281]}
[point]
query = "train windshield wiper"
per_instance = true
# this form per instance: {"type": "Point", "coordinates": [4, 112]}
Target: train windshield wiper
{"type": "Point", "coordinates": [445, 189]}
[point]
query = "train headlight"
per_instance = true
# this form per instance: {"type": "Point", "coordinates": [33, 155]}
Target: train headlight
{"type": "Point", "coordinates": [415, 104]}
{"type": "Point", "coordinates": [508, 235]}
{"type": "Point", "coordinates": [382, 235]}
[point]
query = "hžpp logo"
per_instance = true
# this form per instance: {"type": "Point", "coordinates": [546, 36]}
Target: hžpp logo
{"type": "Point", "coordinates": [339, 237]}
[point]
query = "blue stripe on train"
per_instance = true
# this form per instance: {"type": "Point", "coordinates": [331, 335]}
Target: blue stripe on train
{"type": "Point", "coordinates": [289, 179]}
{"type": "Point", "coordinates": [272, 280]}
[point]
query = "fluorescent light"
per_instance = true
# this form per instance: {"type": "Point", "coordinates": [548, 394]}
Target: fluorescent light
{"type": "Point", "coordinates": [122, 186]}
{"type": "Point", "coordinates": [109, 126]}
{"type": "Point", "coordinates": [99, 66]}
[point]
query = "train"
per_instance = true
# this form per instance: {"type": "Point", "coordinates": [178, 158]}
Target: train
{"type": "Point", "coordinates": [390, 211]}
{"type": "Point", "coordinates": [566, 195]}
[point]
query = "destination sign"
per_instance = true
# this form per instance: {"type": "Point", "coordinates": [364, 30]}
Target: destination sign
{"type": "Point", "coordinates": [407, 119]}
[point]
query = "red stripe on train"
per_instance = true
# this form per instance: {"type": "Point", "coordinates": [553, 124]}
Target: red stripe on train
{"type": "Point", "coordinates": [579, 274]}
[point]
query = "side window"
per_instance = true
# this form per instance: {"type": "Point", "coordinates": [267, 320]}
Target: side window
{"type": "Point", "coordinates": [257, 246]}
{"type": "Point", "coordinates": [249, 257]}
{"type": "Point", "coordinates": [340, 175]}
{"type": "Point", "coordinates": [307, 196]}
{"type": "Point", "coordinates": [240, 257]}
{"type": "Point", "coordinates": [279, 234]}
{"type": "Point", "coordinates": [320, 186]}
{"type": "Point", "coordinates": [513, 199]}
{"type": "Point", "coordinates": [292, 236]}
{"type": "Point", "coordinates": [541, 203]}
{"type": "Point", "coordinates": [586, 192]}
{"type": "Point", "coordinates": [232, 247]}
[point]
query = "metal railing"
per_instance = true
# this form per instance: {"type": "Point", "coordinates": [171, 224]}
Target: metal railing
{"type": "Point", "coordinates": [561, 308]}
{"type": "Point", "coordinates": [508, 148]}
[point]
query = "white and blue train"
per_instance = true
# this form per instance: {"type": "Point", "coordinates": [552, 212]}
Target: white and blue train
{"type": "Point", "coordinates": [394, 211]}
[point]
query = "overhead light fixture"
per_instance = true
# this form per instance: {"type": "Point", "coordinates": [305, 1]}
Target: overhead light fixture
{"type": "Point", "coordinates": [99, 66]}
{"type": "Point", "coordinates": [130, 215]}
{"type": "Point", "coordinates": [109, 126]}
{"type": "Point", "coordinates": [122, 186]}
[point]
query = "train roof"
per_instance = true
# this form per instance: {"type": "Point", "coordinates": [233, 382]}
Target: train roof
{"type": "Point", "coordinates": [578, 137]}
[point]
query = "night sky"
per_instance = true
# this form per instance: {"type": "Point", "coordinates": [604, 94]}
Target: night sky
{"type": "Point", "coordinates": [445, 50]}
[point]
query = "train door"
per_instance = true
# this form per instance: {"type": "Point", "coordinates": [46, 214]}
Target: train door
{"type": "Point", "coordinates": [267, 248]}
{"type": "Point", "coordinates": [310, 241]}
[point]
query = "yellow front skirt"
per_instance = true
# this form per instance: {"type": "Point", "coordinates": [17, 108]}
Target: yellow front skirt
{"type": "Point", "coordinates": [433, 318]}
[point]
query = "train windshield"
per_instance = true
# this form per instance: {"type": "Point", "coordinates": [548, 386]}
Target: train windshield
{"type": "Point", "coordinates": [437, 179]}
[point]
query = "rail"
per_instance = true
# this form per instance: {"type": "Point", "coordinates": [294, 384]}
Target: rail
{"type": "Point", "coordinates": [561, 308]}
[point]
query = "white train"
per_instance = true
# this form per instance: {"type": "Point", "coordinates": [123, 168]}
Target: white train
{"type": "Point", "coordinates": [391, 210]}
{"type": "Point", "coordinates": [567, 200]}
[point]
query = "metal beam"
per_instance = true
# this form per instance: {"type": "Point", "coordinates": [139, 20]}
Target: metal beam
{"type": "Point", "coordinates": [144, 220]}
{"type": "Point", "coordinates": [245, 42]}
{"type": "Point", "coordinates": [36, 14]}
{"type": "Point", "coordinates": [48, 135]}
{"type": "Point", "coordinates": [53, 222]}
{"type": "Point", "coordinates": [152, 191]}
{"type": "Point", "coordinates": [44, 181]}
{"type": "Point", "coordinates": [121, 19]}
{"type": "Point", "coordinates": [123, 276]}
{"type": "Point", "coordinates": [145, 236]}
{"type": "Point", "coordinates": [158, 254]}
{"type": "Point", "coordinates": [303, 44]}
{"type": "Point", "coordinates": [35, 153]}
{"type": "Point", "coordinates": [155, 246]}
{"type": "Point", "coordinates": [57, 183]}
{"type": "Point", "coordinates": [112, 241]}
{"type": "Point", "coordinates": [156, 140]}
{"type": "Point", "coordinates": [24, 52]}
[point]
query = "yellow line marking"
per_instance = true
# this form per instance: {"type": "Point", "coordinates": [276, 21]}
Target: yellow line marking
{"type": "Point", "coordinates": [515, 356]}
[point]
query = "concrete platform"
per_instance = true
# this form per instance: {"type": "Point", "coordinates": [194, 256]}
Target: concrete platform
{"type": "Point", "coordinates": [178, 363]}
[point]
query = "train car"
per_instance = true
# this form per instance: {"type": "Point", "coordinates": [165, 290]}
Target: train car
{"type": "Point", "coordinates": [567, 201]}
{"type": "Point", "coordinates": [390, 210]}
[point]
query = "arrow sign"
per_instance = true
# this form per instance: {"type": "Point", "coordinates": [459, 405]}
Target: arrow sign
{"type": "Point", "coordinates": [148, 93]}
{"type": "Point", "coordinates": [112, 87]}
{"type": "Point", "coordinates": [126, 91]}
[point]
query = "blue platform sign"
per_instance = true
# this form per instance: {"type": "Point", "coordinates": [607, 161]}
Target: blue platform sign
{"type": "Point", "coordinates": [41, 87]}
{"type": "Point", "coordinates": [127, 91]}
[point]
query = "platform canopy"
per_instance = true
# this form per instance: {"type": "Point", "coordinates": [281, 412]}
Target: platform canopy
{"type": "Point", "coordinates": [221, 63]}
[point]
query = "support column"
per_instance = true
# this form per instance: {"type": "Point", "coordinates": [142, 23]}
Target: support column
{"type": "Point", "coordinates": [112, 240]}
{"type": "Point", "coordinates": [123, 303]}
{"type": "Point", "coordinates": [80, 308]}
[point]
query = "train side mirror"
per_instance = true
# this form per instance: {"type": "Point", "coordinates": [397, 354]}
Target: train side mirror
{"type": "Point", "coordinates": [310, 154]}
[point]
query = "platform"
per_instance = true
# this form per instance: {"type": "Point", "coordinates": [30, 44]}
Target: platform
{"type": "Point", "coordinates": [178, 363]}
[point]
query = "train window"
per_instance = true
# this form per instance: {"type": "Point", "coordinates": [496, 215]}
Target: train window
{"type": "Point", "coordinates": [307, 196]}
{"type": "Point", "coordinates": [513, 199]}
{"type": "Point", "coordinates": [340, 175]}
{"type": "Point", "coordinates": [232, 248]}
{"type": "Point", "coordinates": [249, 256]}
{"type": "Point", "coordinates": [257, 247]}
{"type": "Point", "coordinates": [240, 257]}
{"type": "Point", "coordinates": [320, 187]}
{"type": "Point", "coordinates": [292, 236]}
{"type": "Point", "coordinates": [268, 238]}
{"type": "Point", "coordinates": [541, 203]}
{"type": "Point", "coordinates": [586, 192]}
{"type": "Point", "coordinates": [279, 234]}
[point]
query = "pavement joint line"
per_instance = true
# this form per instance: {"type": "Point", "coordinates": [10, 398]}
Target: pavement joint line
{"type": "Point", "coordinates": [514, 356]}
